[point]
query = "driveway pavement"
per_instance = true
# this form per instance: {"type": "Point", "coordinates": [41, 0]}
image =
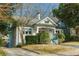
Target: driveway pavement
{"type": "Point", "coordinates": [19, 52]}
{"type": "Point", "coordinates": [22, 52]}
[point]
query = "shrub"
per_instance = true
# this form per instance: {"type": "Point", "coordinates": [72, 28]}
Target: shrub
{"type": "Point", "coordinates": [43, 37]}
{"type": "Point", "coordinates": [61, 37]}
{"type": "Point", "coordinates": [71, 38]}
{"type": "Point", "coordinates": [2, 53]}
{"type": "Point", "coordinates": [67, 37]}
{"type": "Point", "coordinates": [40, 38]}
{"type": "Point", "coordinates": [74, 38]}
{"type": "Point", "coordinates": [1, 42]}
{"type": "Point", "coordinates": [31, 39]}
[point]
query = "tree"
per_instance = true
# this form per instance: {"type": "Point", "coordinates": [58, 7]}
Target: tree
{"type": "Point", "coordinates": [6, 11]}
{"type": "Point", "coordinates": [3, 27]}
{"type": "Point", "coordinates": [68, 13]}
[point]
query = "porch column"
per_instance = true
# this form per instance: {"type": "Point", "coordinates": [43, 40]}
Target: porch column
{"type": "Point", "coordinates": [18, 37]}
{"type": "Point", "coordinates": [24, 39]}
{"type": "Point", "coordinates": [37, 30]}
{"type": "Point", "coordinates": [55, 30]}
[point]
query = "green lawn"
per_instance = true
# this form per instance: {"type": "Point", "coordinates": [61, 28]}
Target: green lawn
{"type": "Point", "coordinates": [71, 43]}
{"type": "Point", "coordinates": [47, 48]}
{"type": "Point", "coordinates": [2, 53]}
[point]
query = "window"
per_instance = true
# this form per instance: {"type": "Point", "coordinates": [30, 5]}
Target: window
{"type": "Point", "coordinates": [26, 32]}
{"type": "Point", "coordinates": [29, 31]}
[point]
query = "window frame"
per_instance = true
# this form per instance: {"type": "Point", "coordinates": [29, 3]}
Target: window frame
{"type": "Point", "coordinates": [28, 31]}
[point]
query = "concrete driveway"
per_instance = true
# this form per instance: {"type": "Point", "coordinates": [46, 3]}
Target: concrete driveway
{"type": "Point", "coordinates": [22, 52]}
{"type": "Point", "coordinates": [19, 52]}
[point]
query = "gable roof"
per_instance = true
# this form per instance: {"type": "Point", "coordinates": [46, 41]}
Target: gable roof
{"type": "Point", "coordinates": [51, 20]}
{"type": "Point", "coordinates": [47, 18]}
{"type": "Point", "coordinates": [35, 20]}
{"type": "Point", "coordinates": [54, 20]}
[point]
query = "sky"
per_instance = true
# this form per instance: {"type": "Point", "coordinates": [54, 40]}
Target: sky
{"type": "Point", "coordinates": [33, 8]}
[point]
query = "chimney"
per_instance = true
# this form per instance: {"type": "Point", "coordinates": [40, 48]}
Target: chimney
{"type": "Point", "coordinates": [38, 15]}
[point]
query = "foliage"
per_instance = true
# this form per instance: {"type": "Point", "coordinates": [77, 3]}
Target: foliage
{"type": "Point", "coordinates": [31, 39]}
{"type": "Point", "coordinates": [71, 38]}
{"type": "Point", "coordinates": [8, 10]}
{"type": "Point", "coordinates": [68, 13]}
{"type": "Point", "coordinates": [67, 37]}
{"type": "Point", "coordinates": [43, 37]}
{"type": "Point", "coordinates": [2, 53]}
{"type": "Point", "coordinates": [74, 38]}
{"type": "Point", "coordinates": [3, 26]}
{"type": "Point", "coordinates": [1, 42]}
{"type": "Point", "coordinates": [40, 38]}
{"type": "Point", "coordinates": [61, 37]}
{"type": "Point", "coordinates": [7, 19]}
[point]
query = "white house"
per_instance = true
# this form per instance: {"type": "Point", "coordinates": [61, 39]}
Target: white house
{"type": "Point", "coordinates": [37, 25]}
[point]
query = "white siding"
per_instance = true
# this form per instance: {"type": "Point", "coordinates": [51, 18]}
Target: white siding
{"type": "Point", "coordinates": [43, 22]}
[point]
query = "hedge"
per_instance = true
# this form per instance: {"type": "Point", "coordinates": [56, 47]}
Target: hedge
{"type": "Point", "coordinates": [40, 38]}
{"type": "Point", "coordinates": [71, 38]}
{"type": "Point", "coordinates": [31, 40]}
{"type": "Point", "coordinates": [61, 37]}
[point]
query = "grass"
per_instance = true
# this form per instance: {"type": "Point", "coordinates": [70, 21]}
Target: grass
{"type": "Point", "coordinates": [71, 43]}
{"type": "Point", "coordinates": [2, 53]}
{"type": "Point", "coordinates": [47, 48]}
